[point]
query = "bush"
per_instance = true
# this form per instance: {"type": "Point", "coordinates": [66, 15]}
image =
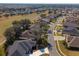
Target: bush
{"type": "Point", "coordinates": [42, 42]}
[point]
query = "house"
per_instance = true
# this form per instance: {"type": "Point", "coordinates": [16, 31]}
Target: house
{"type": "Point", "coordinates": [51, 16]}
{"type": "Point", "coordinates": [43, 21]}
{"type": "Point", "coordinates": [71, 27]}
{"type": "Point", "coordinates": [27, 35]}
{"type": "Point", "coordinates": [24, 46]}
{"type": "Point", "coordinates": [72, 41]}
{"type": "Point", "coordinates": [71, 31]}
{"type": "Point", "coordinates": [47, 20]}
{"type": "Point", "coordinates": [71, 34]}
{"type": "Point", "coordinates": [35, 27]}
{"type": "Point", "coordinates": [31, 33]}
{"type": "Point", "coordinates": [21, 48]}
{"type": "Point", "coordinates": [70, 24]}
{"type": "Point", "coordinates": [71, 37]}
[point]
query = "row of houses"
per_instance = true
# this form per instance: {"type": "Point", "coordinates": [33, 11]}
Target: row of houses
{"type": "Point", "coordinates": [71, 32]}
{"type": "Point", "coordinates": [27, 43]}
{"type": "Point", "coordinates": [20, 11]}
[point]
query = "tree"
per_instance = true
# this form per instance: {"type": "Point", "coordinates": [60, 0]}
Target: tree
{"type": "Point", "coordinates": [42, 43]}
{"type": "Point", "coordinates": [50, 11]}
{"type": "Point", "coordinates": [25, 23]}
{"type": "Point", "coordinates": [15, 23]}
{"type": "Point", "coordinates": [13, 33]}
{"type": "Point", "coordinates": [10, 35]}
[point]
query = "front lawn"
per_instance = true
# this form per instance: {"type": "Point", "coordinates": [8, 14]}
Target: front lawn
{"type": "Point", "coordinates": [67, 51]}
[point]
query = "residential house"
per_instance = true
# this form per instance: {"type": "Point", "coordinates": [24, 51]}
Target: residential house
{"type": "Point", "coordinates": [45, 20]}
{"type": "Point", "coordinates": [71, 28]}
{"type": "Point", "coordinates": [27, 35]}
{"type": "Point", "coordinates": [72, 41]}
{"type": "Point", "coordinates": [21, 48]}
{"type": "Point", "coordinates": [71, 34]}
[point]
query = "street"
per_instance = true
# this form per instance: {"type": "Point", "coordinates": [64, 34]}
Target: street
{"type": "Point", "coordinates": [52, 50]}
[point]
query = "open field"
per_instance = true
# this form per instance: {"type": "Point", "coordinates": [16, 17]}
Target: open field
{"type": "Point", "coordinates": [66, 51]}
{"type": "Point", "coordinates": [5, 22]}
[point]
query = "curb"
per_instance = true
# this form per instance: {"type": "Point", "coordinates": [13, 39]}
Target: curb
{"type": "Point", "coordinates": [59, 50]}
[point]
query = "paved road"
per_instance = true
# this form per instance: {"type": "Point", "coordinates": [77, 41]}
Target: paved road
{"type": "Point", "coordinates": [52, 50]}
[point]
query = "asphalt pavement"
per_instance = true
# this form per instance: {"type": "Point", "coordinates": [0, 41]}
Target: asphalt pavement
{"type": "Point", "coordinates": [52, 50]}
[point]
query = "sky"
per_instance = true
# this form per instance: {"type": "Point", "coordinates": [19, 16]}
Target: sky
{"type": "Point", "coordinates": [40, 1]}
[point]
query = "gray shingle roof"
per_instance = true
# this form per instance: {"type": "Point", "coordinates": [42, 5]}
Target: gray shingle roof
{"type": "Point", "coordinates": [16, 53]}
{"type": "Point", "coordinates": [46, 19]}
{"type": "Point", "coordinates": [28, 34]}
{"type": "Point", "coordinates": [71, 24]}
{"type": "Point", "coordinates": [75, 42]}
{"type": "Point", "coordinates": [22, 47]}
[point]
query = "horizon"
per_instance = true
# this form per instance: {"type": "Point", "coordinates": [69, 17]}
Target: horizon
{"type": "Point", "coordinates": [16, 5]}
